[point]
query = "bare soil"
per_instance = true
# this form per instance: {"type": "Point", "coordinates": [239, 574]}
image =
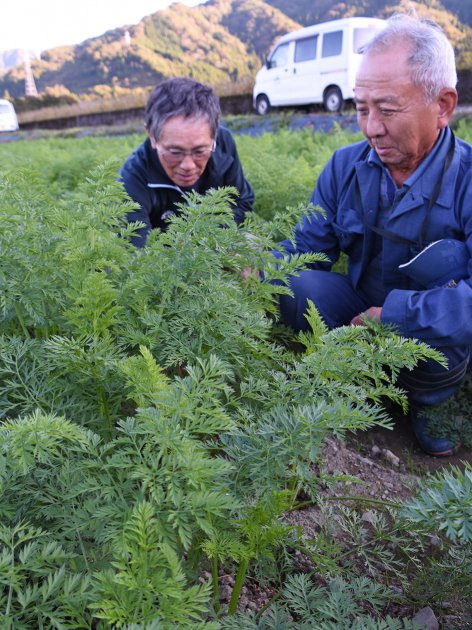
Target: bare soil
{"type": "Point", "coordinates": [402, 442]}
{"type": "Point", "coordinates": [389, 466]}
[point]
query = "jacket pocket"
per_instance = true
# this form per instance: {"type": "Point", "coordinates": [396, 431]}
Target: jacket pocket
{"type": "Point", "coordinates": [349, 231]}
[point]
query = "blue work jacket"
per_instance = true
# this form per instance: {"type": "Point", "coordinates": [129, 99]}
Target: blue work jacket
{"type": "Point", "coordinates": [348, 192]}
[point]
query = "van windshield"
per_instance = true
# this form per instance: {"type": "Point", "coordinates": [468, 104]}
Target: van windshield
{"type": "Point", "coordinates": [4, 109]}
{"type": "Point", "coordinates": [362, 36]}
{"type": "Point", "coordinates": [279, 57]}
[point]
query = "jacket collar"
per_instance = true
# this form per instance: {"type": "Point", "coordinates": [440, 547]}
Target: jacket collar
{"type": "Point", "coordinates": [422, 187]}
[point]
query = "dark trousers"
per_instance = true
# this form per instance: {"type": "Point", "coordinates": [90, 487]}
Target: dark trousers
{"type": "Point", "coordinates": [337, 302]}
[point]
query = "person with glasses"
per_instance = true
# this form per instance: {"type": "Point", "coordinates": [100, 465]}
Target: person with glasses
{"type": "Point", "coordinates": [407, 186]}
{"type": "Point", "coordinates": [187, 149]}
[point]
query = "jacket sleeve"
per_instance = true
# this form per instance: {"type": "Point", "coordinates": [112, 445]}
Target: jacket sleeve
{"type": "Point", "coordinates": [441, 316]}
{"type": "Point", "coordinates": [135, 183]}
{"type": "Point", "coordinates": [315, 232]}
{"type": "Point", "coordinates": [234, 176]}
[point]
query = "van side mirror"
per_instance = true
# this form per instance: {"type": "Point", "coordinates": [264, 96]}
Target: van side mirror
{"type": "Point", "coordinates": [268, 64]}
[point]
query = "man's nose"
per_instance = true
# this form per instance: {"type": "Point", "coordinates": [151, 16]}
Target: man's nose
{"type": "Point", "coordinates": [374, 125]}
{"type": "Point", "coordinates": [188, 160]}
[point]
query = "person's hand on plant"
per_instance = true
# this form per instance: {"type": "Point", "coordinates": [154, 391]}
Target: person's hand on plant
{"type": "Point", "coordinates": [374, 312]}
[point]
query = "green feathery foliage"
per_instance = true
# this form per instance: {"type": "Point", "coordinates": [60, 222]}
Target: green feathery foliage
{"type": "Point", "coordinates": [154, 417]}
{"type": "Point", "coordinates": [444, 504]}
{"type": "Point", "coordinates": [339, 605]}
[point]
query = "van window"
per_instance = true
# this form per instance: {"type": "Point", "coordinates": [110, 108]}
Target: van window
{"type": "Point", "coordinates": [362, 36]}
{"type": "Point", "coordinates": [305, 49]}
{"type": "Point", "coordinates": [332, 44]}
{"type": "Point", "coordinates": [279, 57]}
{"type": "Point", "coordinates": [5, 109]}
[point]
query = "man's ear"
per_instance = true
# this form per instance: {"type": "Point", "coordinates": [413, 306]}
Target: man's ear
{"type": "Point", "coordinates": [447, 102]}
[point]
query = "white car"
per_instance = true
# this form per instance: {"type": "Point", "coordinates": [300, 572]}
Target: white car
{"type": "Point", "coordinates": [8, 119]}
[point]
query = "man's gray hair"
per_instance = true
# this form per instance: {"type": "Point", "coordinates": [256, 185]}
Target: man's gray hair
{"type": "Point", "coordinates": [181, 97]}
{"type": "Point", "coordinates": [431, 60]}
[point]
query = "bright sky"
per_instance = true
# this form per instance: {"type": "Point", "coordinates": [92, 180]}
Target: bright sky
{"type": "Point", "coordinates": [42, 24]}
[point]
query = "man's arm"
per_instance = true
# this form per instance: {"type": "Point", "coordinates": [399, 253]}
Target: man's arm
{"type": "Point", "coordinates": [315, 231]}
{"type": "Point", "coordinates": [244, 202]}
{"type": "Point", "coordinates": [234, 176]}
{"type": "Point", "coordinates": [135, 185]}
{"type": "Point", "coordinates": [441, 316]}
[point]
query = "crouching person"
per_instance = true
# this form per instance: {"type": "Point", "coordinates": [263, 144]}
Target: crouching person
{"type": "Point", "coordinates": [385, 199]}
{"type": "Point", "coordinates": [186, 150]}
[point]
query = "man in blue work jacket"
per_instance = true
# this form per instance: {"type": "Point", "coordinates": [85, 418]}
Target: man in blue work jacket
{"type": "Point", "coordinates": [385, 199]}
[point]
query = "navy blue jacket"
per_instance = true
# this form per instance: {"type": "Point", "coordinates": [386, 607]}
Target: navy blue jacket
{"type": "Point", "coordinates": [147, 183]}
{"type": "Point", "coordinates": [348, 192]}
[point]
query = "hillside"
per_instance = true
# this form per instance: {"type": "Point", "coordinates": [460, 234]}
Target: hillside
{"type": "Point", "coordinates": [452, 15]}
{"type": "Point", "coordinates": [220, 42]}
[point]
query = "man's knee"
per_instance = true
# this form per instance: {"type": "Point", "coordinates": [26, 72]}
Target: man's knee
{"type": "Point", "coordinates": [331, 293]}
{"type": "Point", "coordinates": [431, 384]}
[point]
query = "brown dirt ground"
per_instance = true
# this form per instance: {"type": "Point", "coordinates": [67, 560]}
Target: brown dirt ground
{"type": "Point", "coordinates": [389, 465]}
{"type": "Point", "coordinates": [401, 441]}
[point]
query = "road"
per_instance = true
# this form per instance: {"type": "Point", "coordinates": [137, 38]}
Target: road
{"type": "Point", "coordinates": [250, 124]}
{"type": "Point", "coordinates": [318, 121]}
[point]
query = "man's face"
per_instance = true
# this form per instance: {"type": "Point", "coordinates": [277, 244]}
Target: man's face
{"type": "Point", "coordinates": [393, 113]}
{"type": "Point", "coordinates": [184, 147]}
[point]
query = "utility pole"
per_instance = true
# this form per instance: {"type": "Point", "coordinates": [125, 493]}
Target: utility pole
{"type": "Point", "coordinates": [30, 85]}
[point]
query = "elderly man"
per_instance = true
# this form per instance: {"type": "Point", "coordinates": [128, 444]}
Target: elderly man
{"type": "Point", "coordinates": [186, 150]}
{"type": "Point", "coordinates": [385, 199]}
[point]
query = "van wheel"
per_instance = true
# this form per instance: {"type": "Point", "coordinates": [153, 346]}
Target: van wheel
{"type": "Point", "coordinates": [333, 100]}
{"type": "Point", "coordinates": [262, 105]}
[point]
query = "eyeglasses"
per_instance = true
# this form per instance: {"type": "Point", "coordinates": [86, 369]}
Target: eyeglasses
{"type": "Point", "coordinates": [175, 156]}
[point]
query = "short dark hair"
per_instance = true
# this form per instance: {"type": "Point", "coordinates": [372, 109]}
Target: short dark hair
{"type": "Point", "coordinates": [181, 97]}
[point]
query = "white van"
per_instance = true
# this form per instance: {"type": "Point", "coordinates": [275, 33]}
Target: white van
{"type": "Point", "coordinates": [316, 64]}
{"type": "Point", "coordinates": [8, 119]}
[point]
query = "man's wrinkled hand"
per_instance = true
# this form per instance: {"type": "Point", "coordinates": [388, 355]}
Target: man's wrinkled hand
{"type": "Point", "coordinates": [374, 312]}
{"type": "Point", "coordinates": [249, 272]}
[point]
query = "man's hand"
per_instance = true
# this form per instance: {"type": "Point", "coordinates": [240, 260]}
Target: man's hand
{"type": "Point", "coordinates": [374, 312]}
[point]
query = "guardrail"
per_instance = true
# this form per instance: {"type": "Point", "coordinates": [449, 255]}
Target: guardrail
{"type": "Point", "coordinates": [92, 114]}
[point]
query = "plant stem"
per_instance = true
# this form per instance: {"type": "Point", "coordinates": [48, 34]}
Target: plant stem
{"type": "Point", "coordinates": [84, 554]}
{"type": "Point", "coordinates": [216, 586]}
{"type": "Point", "coordinates": [359, 499]}
{"type": "Point", "coordinates": [22, 321]}
{"type": "Point", "coordinates": [271, 601]}
{"type": "Point", "coordinates": [238, 584]}
{"type": "Point", "coordinates": [294, 488]}
{"type": "Point", "coordinates": [103, 403]}
{"type": "Point", "coordinates": [10, 587]}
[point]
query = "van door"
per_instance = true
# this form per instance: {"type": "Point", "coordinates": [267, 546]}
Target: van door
{"type": "Point", "coordinates": [334, 63]}
{"type": "Point", "coordinates": [319, 62]}
{"type": "Point", "coordinates": [278, 78]}
{"type": "Point", "coordinates": [306, 71]}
